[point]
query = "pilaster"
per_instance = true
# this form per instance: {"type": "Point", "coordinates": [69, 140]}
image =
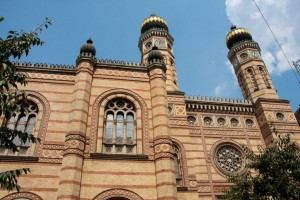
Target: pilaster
{"type": "Point", "coordinates": [70, 179]}
{"type": "Point", "coordinates": [163, 149]}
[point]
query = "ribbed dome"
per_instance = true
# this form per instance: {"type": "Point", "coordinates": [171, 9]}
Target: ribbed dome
{"type": "Point", "coordinates": [154, 21]}
{"type": "Point", "coordinates": [155, 54]}
{"type": "Point", "coordinates": [237, 35]}
{"type": "Point", "coordinates": [88, 47]}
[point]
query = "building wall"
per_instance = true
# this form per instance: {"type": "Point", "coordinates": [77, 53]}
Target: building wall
{"type": "Point", "coordinates": [70, 163]}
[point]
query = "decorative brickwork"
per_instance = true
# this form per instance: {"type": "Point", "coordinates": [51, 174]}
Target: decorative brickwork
{"type": "Point", "coordinates": [106, 195]}
{"type": "Point", "coordinates": [26, 195]}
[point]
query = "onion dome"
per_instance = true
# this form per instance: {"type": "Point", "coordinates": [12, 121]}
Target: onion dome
{"type": "Point", "coordinates": [88, 47]}
{"type": "Point", "coordinates": [154, 21]}
{"type": "Point", "coordinates": [237, 35]}
{"type": "Point", "coordinates": [155, 54]}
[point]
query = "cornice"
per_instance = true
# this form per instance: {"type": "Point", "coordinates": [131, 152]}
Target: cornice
{"type": "Point", "coordinates": [155, 32]}
{"type": "Point", "coordinates": [49, 68]}
{"type": "Point", "coordinates": [242, 45]}
{"type": "Point", "coordinates": [218, 105]}
{"type": "Point", "coordinates": [119, 64]}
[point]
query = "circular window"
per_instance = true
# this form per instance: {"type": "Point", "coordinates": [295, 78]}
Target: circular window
{"type": "Point", "coordinates": [244, 56]}
{"type": "Point", "coordinates": [148, 45]}
{"type": "Point", "coordinates": [191, 119]}
{"type": "Point", "coordinates": [249, 122]}
{"type": "Point", "coordinates": [279, 116]}
{"type": "Point", "coordinates": [207, 121]}
{"type": "Point", "coordinates": [234, 122]}
{"type": "Point", "coordinates": [229, 159]}
{"type": "Point", "coordinates": [221, 121]}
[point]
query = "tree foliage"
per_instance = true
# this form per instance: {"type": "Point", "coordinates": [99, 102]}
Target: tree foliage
{"type": "Point", "coordinates": [274, 173]}
{"type": "Point", "coordinates": [13, 100]}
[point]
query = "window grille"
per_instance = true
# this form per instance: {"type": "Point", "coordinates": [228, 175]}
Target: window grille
{"type": "Point", "coordinates": [119, 127]}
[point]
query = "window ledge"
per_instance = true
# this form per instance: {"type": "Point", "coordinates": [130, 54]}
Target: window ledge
{"type": "Point", "coordinates": [118, 156]}
{"type": "Point", "coordinates": [181, 188]}
{"type": "Point", "coordinates": [18, 158]}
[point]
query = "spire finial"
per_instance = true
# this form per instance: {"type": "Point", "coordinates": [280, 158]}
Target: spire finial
{"type": "Point", "coordinates": [232, 26]}
{"type": "Point", "coordinates": [90, 41]}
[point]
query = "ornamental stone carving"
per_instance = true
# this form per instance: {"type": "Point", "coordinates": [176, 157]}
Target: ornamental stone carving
{"type": "Point", "coordinates": [229, 159]}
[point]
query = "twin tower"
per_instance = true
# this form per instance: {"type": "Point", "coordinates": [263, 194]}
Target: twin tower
{"type": "Point", "coordinates": [244, 54]}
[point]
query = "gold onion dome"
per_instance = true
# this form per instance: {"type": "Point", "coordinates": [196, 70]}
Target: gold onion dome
{"type": "Point", "coordinates": [154, 21]}
{"type": "Point", "coordinates": [237, 35]}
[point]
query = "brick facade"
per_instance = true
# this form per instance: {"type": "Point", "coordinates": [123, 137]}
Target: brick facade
{"type": "Point", "coordinates": [70, 162]}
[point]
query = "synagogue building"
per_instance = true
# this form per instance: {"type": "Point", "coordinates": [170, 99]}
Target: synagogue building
{"type": "Point", "coordinates": [120, 130]}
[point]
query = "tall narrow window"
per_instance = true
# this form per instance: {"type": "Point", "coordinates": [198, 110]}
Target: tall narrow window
{"type": "Point", "coordinates": [24, 123]}
{"type": "Point", "coordinates": [243, 85]}
{"type": "Point", "coordinates": [252, 78]}
{"type": "Point", "coordinates": [177, 166]}
{"type": "Point", "coordinates": [119, 127]}
{"type": "Point", "coordinates": [262, 73]}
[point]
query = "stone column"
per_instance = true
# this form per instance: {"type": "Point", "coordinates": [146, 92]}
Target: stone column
{"type": "Point", "coordinates": [165, 174]}
{"type": "Point", "coordinates": [70, 179]}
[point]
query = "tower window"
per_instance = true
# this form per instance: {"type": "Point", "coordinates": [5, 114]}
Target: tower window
{"type": "Point", "coordinates": [243, 85]}
{"type": "Point", "coordinates": [252, 78]}
{"type": "Point", "coordinates": [119, 127]}
{"type": "Point", "coordinates": [148, 45]}
{"type": "Point", "coordinates": [262, 73]}
{"type": "Point", "coordinates": [25, 123]}
{"type": "Point", "coordinates": [244, 56]}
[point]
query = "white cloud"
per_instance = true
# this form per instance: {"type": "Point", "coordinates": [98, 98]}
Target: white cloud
{"type": "Point", "coordinates": [231, 69]}
{"type": "Point", "coordinates": [218, 90]}
{"type": "Point", "coordinates": [283, 16]}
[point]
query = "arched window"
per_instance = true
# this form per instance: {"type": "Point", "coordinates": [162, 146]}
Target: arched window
{"type": "Point", "coordinates": [263, 74]}
{"type": "Point", "coordinates": [243, 85]}
{"type": "Point", "coordinates": [119, 127]}
{"type": "Point", "coordinates": [24, 122]}
{"type": "Point", "coordinates": [252, 78]}
{"type": "Point", "coordinates": [177, 166]}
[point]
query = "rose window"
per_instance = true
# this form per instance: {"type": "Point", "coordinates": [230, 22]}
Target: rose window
{"type": "Point", "coordinates": [229, 159]}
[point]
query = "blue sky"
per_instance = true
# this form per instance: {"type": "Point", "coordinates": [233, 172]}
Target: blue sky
{"type": "Point", "coordinates": [198, 27]}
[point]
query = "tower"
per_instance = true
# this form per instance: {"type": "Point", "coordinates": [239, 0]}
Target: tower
{"type": "Point", "coordinates": [256, 85]}
{"type": "Point", "coordinates": [155, 32]}
{"type": "Point", "coordinates": [250, 69]}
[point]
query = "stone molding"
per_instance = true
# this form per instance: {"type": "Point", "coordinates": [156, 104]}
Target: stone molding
{"type": "Point", "coordinates": [16, 195]}
{"type": "Point", "coordinates": [120, 63]}
{"type": "Point", "coordinates": [117, 193]}
{"type": "Point", "coordinates": [34, 96]}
